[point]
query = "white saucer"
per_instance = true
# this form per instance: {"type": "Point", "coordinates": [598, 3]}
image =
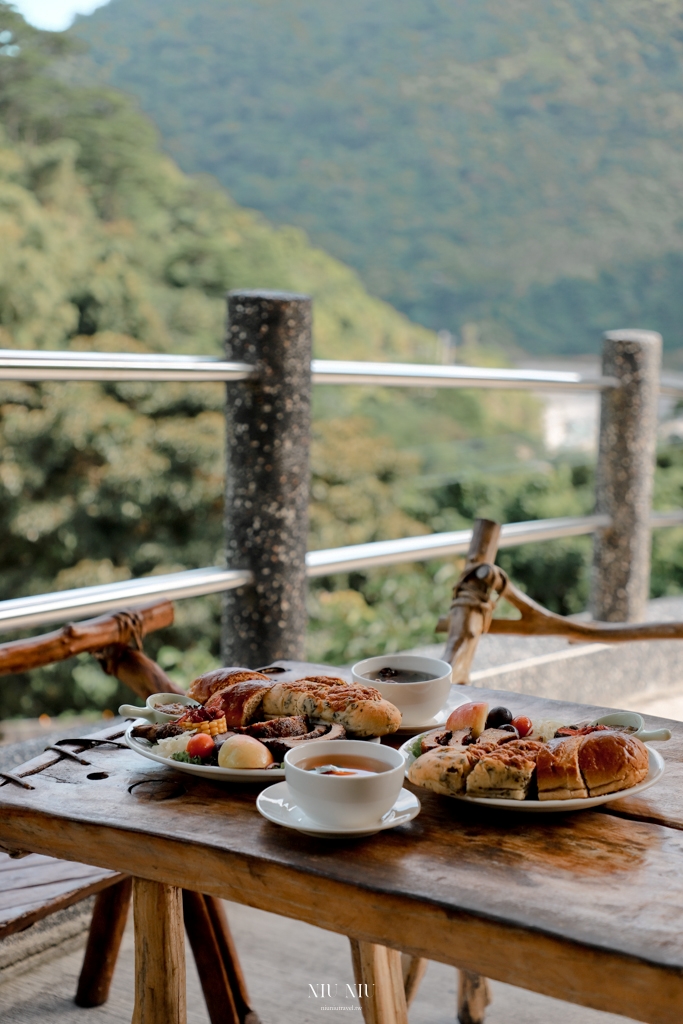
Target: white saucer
{"type": "Point", "coordinates": [278, 805]}
{"type": "Point", "coordinates": [425, 726]}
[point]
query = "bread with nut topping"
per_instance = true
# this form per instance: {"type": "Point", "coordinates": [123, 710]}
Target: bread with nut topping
{"type": "Point", "coordinates": [360, 709]}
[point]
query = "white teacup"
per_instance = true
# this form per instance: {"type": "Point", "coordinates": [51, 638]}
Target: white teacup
{"type": "Point", "coordinates": [151, 710]}
{"type": "Point", "coordinates": [417, 702]}
{"type": "Point", "coordinates": [345, 801]}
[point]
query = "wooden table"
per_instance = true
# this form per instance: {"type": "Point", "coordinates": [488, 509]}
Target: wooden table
{"type": "Point", "coordinates": [586, 907]}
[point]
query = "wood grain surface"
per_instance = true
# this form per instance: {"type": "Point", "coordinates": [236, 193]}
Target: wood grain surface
{"type": "Point", "coordinates": [91, 635]}
{"type": "Point", "coordinates": [585, 907]}
{"type": "Point", "coordinates": [36, 886]}
{"type": "Point", "coordinates": [159, 954]}
{"type": "Point", "coordinates": [107, 926]}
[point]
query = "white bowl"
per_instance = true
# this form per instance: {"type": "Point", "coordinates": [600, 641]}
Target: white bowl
{"type": "Point", "coordinates": [151, 712]}
{"type": "Point", "coordinates": [417, 702]}
{"type": "Point", "coordinates": [634, 721]}
{"type": "Point", "coordinates": [343, 801]}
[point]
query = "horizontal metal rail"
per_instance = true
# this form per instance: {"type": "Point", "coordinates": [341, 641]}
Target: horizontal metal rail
{"type": "Point", "coordinates": [422, 375]}
{"type": "Point", "coordinates": [19, 364]}
{"type": "Point", "coordinates": [441, 545]}
{"type": "Point", "coordinates": [26, 612]}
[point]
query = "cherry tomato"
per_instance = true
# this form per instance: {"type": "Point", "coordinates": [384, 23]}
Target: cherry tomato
{"type": "Point", "coordinates": [523, 725]}
{"type": "Point", "coordinates": [200, 745]}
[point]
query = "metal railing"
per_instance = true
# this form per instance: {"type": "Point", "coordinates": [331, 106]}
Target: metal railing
{"type": "Point", "coordinates": [22, 365]}
{"type": "Point", "coordinates": [104, 366]}
{"type": "Point", "coordinates": [46, 609]}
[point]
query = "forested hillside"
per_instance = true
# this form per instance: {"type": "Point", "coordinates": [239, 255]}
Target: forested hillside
{"type": "Point", "coordinates": [514, 164]}
{"type": "Point", "coordinates": [105, 244]}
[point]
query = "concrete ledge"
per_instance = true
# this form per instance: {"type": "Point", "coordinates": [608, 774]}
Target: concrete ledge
{"type": "Point", "coordinates": [584, 673]}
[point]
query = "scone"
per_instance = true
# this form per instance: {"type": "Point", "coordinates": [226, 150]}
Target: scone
{"type": "Point", "coordinates": [443, 770]}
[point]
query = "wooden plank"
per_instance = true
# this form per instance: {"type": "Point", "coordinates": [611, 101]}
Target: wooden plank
{"type": "Point", "coordinates": [37, 886]}
{"type": "Point", "coordinates": [160, 995]}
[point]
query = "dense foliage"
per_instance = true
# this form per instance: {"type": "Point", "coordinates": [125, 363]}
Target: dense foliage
{"type": "Point", "coordinates": [513, 164]}
{"type": "Point", "coordinates": [106, 245]}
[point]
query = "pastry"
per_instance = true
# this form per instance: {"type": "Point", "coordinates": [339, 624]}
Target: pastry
{"type": "Point", "coordinates": [240, 702]}
{"type": "Point", "coordinates": [612, 761]}
{"type": "Point", "coordinates": [558, 775]}
{"type": "Point", "coordinates": [503, 773]}
{"type": "Point", "coordinates": [443, 770]}
{"type": "Point", "coordinates": [360, 709]}
{"type": "Point", "coordinates": [205, 686]}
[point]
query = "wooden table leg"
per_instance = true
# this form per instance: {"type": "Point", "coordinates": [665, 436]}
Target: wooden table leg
{"type": "Point", "coordinates": [217, 962]}
{"type": "Point", "coordinates": [474, 995]}
{"type": "Point", "coordinates": [414, 968]}
{"type": "Point", "coordinates": [104, 940]}
{"type": "Point", "coordinates": [230, 960]}
{"type": "Point", "coordinates": [160, 996]}
{"type": "Point", "coordinates": [379, 977]}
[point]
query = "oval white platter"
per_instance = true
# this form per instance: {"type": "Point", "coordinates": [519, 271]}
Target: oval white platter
{"type": "Point", "coordinates": [204, 771]}
{"type": "Point", "coordinates": [655, 772]}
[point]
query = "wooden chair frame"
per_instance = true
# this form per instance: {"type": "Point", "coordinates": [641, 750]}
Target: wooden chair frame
{"type": "Point", "coordinates": [116, 642]}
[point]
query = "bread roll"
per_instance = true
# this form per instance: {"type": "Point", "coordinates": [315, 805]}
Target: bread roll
{"type": "Point", "coordinates": [443, 770]}
{"type": "Point", "coordinates": [612, 761]}
{"type": "Point", "coordinates": [557, 770]}
{"type": "Point", "coordinates": [240, 703]}
{"type": "Point", "coordinates": [360, 709]}
{"type": "Point", "coordinates": [205, 686]}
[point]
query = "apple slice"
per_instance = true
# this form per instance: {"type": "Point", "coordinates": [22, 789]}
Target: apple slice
{"type": "Point", "coordinates": [469, 716]}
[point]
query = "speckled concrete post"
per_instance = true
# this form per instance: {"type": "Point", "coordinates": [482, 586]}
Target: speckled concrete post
{"type": "Point", "coordinates": [625, 472]}
{"type": "Point", "coordinates": [268, 440]}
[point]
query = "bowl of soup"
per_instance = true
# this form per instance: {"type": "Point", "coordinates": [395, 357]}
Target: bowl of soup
{"type": "Point", "coordinates": [417, 686]}
{"type": "Point", "coordinates": [344, 783]}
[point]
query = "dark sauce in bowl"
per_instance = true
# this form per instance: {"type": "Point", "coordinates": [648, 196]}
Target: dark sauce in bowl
{"type": "Point", "coordinates": [398, 675]}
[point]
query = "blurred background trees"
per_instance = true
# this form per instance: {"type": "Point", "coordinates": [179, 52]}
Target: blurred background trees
{"type": "Point", "coordinates": [106, 245]}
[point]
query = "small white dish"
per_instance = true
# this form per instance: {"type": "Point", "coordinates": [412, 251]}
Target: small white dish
{"type": "Point", "coordinates": [152, 712]}
{"type": "Point", "coordinates": [417, 701]}
{"type": "Point", "coordinates": [277, 804]}
{"type": "Point", "coordinates": [655, 772]}
{"type": "Point", "coordinates": [204, 771]}
{"type": "Point", "coordinates": [632, 720]}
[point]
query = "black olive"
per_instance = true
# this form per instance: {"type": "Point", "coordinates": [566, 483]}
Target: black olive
{"type": "Point", "coordinates": [509, 728]}
{"type": "Point", "coordinates": [498, 717]}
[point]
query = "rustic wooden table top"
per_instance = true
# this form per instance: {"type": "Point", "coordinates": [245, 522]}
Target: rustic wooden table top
{"type": "Point", "coordinates": [587, 907]}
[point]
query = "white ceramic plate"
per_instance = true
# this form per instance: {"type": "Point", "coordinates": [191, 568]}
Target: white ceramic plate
{"type": "Point", "coordinates": [279, 806]}
{"type": "Point", "coordinates": [656, 770]}
{"type": "Point", "coordinates": [204, 771]}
